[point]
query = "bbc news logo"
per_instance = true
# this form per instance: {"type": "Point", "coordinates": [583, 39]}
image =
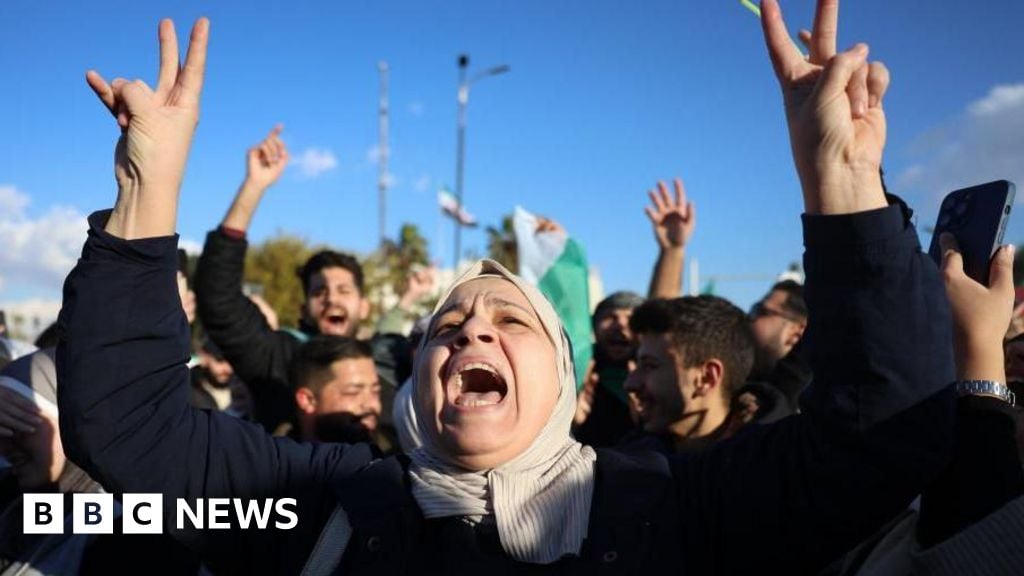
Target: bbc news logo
{"type": "Point", "coordinates": [144, 514]}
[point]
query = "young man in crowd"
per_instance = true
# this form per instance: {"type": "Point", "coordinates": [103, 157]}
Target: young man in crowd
{"type": "Point", "coordinates": [778, 321]}
{"type": "Point", "coordinates": [332, 282]}
{"type": "Point", "coordinates": [606, 419]}
{"type": "Point", "coordinates": [215, 385]}
{"type": "Point", "coordinates": [780, 371]}
{"type": "Point", "coordinates": [603, 417]}
{"type": "Point", "coordinates": [693, 353]}
{"type": "Point", "coordinates": [337, 392]}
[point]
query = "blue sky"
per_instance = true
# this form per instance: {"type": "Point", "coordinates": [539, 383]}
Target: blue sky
{"type": "Point", "coordinates": [603, 99]}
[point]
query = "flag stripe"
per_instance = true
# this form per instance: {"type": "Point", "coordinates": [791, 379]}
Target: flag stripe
{"type": "Point", "coordinates": [557, 265]}
{"type": "Point", "coordinates": [566, 284]}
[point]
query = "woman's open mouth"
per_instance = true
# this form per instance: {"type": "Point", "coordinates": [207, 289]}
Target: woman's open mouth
{"type": "Point", "coordinates": [476, 384]}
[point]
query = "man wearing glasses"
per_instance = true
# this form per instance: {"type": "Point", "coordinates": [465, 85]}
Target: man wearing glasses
{"type": "Point", "coordinates": [780, 373]}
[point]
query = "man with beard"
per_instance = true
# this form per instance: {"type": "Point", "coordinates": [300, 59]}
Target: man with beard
{"type": "Point", "coordinates": [337, 392]}
{"type": "Point", "coordinates": [215, 386]}
{"type": "Point", "coordinates": [334, 299]}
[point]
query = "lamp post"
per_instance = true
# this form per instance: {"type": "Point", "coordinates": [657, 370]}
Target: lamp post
{"type": "Point", "coordinates": [383, 153]}
{"type": "Point", "coordinates": [463, 99]}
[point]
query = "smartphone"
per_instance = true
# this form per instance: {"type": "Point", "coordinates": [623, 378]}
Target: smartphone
{"type": "Point", "coordinates": [977, 218]}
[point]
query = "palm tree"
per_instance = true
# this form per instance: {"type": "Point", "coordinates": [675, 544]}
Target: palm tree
{"type": "Point", "coordinates": [388, 268]}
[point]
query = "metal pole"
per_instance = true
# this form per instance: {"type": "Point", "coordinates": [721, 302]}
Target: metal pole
{"type": "Point", "coordinates": [462, 98]}
{"type": "Point", "coordinates": [383, 153]}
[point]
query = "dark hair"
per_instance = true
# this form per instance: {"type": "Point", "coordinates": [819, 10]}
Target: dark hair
{"type": "Point", "coordinates": [311, 367]}
{"type": "Point", "coordinates": [330, 259]}
{"type": "Point", "coordinates": [702, 328]}
{"type": "Point", "coordinates": [794, 303]}
{"type": "Point", "coordinates": [623, 300]}
{"type": "Point", "coordinates": [211, 348]}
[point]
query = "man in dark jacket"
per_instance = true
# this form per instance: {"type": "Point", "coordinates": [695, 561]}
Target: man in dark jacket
{"type": "Point", "coordinates": [784, 498]}
{"type": "Point", "coordinates": [335, 301]}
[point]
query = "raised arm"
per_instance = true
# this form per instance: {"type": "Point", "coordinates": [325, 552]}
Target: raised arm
{"type": "Point", "coordinates": [259, 354]}
{"type": "Point", "coordinates": [876, 426]}
{"type": "Point", "coordinates": [673, 219]}
{"type": "Point", "coordinates": [833, 103]}
{"type": "Point", "coordinates": [264, 164]}
{"type": "Point", "coordinates": [121, 363]}
{"type": "Point", "coordinates": [156, 134]}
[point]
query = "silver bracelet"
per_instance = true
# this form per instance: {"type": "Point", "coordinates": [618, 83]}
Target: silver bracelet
{"type": "Point", "coordinates": [987, 388]}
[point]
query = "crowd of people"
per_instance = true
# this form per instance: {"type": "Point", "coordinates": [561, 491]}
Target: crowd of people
{"type": "Point", "coordinates": [862, 422]}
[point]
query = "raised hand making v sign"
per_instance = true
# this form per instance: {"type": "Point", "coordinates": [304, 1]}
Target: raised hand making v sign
{"type": "Point", "coordinates": [834, 111]}
{"type": "Point", "coordinates": [156, 134]}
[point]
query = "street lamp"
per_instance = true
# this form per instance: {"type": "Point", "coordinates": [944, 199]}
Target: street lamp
{"type": "Point", "coordinates": [383, 152]}
{"type": "Point", "coordinates": [463, 99]}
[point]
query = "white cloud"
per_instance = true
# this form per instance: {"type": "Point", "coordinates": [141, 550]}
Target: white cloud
{"type": "Point", "coordinates": [12, 201]}
{"type": "Point", "coordinates": [1001, 98]}
{"type": "Point", "coordinates": [985, 143]}
{"type": "Point", "coordinates": [38, 252]}
{"type": "Point", "coordinates": [313, 162]}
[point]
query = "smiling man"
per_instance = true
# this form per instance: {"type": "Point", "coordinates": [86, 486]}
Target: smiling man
{"type": "Point", "coordinates": [609, 420]}
{"type": "Point", "coordinates": [332, 284]}
{"type": "Point", "coordinates": [693, 352]}
{"type": "Point", "coordinates": [337, 392]}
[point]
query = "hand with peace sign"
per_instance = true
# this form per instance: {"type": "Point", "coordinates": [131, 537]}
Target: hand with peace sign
{"type": "Point", "coordinates": [156, 133]}
{"type": "Point", "coordinates": [834, 111]}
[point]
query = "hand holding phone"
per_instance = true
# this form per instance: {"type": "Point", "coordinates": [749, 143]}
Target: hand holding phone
{"type": "Point", "coordinates": [977, 218]}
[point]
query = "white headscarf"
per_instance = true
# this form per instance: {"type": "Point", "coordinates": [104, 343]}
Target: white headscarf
{"type": "Point", "coordinates": [540, 499]}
